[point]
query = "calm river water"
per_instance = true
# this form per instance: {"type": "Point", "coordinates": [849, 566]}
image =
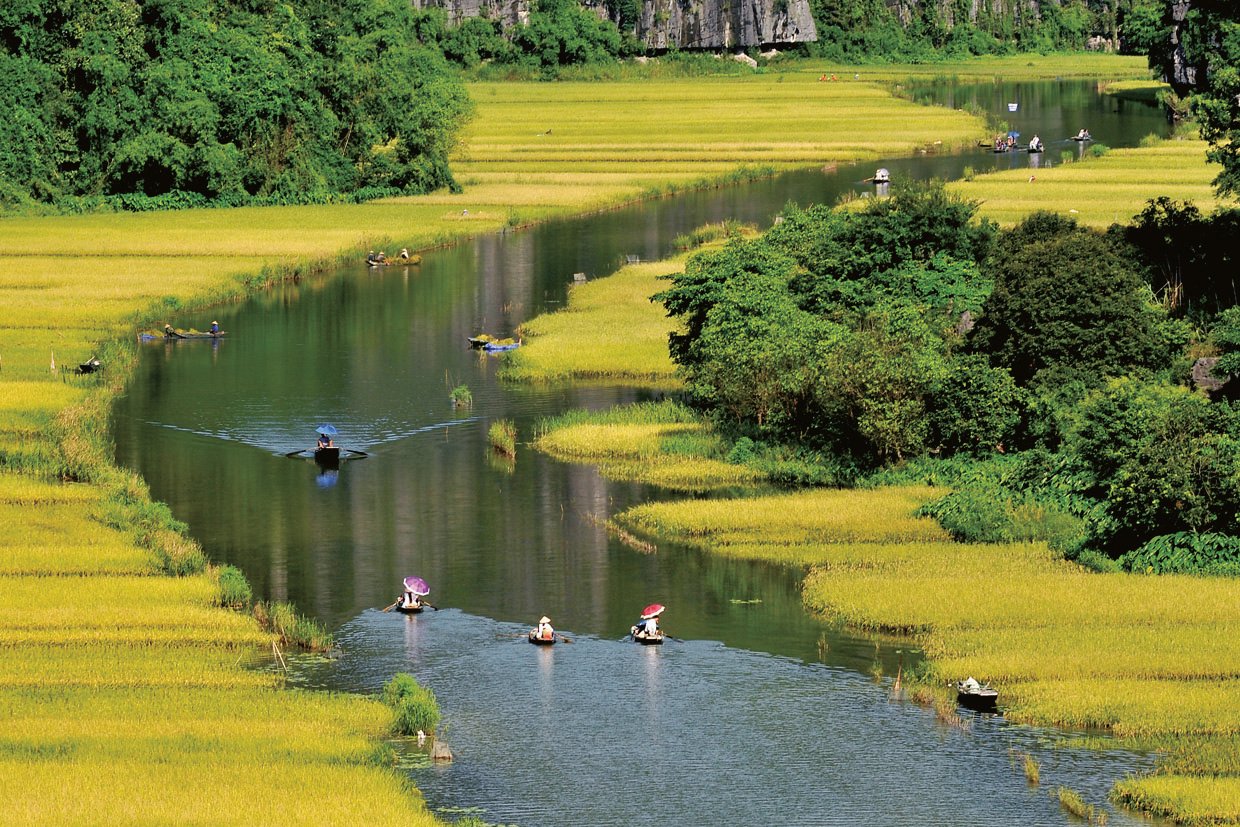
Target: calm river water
{"type": "Point", "coordinates": [762, 715]}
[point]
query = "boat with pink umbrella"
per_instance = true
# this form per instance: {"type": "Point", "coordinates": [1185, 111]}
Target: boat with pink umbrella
{"type": "Point", "coordinates": [412, 600]}
{"type": "Point", "coordinates": [646, 631]}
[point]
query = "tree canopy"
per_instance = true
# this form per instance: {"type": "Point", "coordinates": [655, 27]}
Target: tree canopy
{"type": "Point", "coordinates": [231, 100]}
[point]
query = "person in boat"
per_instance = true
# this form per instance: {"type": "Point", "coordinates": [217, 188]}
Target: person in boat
{"type": "Point", "coordinates": [409, 600]}
{"type": "Point", "coordinates": [215, 328]}
{"type": "Point", "coordinates": [381, 258]}
{"type": "Point", "coordinates": [325, 441]}
{"type": "Point", "coordinates": [1083, 135]}
{"type": "Point", "coordinates": [544, 630]}
{"type": "Point", "coordinates": [370, 258]}
{"type": "Point", "coordinates": [1000, 145]}
{"type": "Point", "coordinates": [1011, 141]}
{"type": "Point", "coordinates": [1036, 144]}
{"type": "Point", "coordinates": [168, 331]}
{"type": "Point", "coordinates": [404, 253]}
{"type": "Point", "coordinates": [646, 627]}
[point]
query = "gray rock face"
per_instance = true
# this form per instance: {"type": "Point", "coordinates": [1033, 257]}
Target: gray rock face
{"type": "Point", "coordinates": [724, 24]}
{"type": "Point", "coordinates": [673, 24]}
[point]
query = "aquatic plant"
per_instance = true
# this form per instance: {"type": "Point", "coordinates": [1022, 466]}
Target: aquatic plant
{"type": "Point", "coordinates": [1071, 802]}
{"type": "Point", "coordinates": [414, 706]}
{"type": "Point", "coordinates": [503, 437]}
{"type": "Point", "coordinates": [462, 397]}
{"type": "Point", "coordinates": [1033, 771]}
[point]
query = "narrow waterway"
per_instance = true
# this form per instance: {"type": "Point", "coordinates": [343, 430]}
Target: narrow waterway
{"type": "Point", "coordinates": [762, 714]}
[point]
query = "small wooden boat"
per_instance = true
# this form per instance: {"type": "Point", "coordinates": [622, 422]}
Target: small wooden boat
{"type": "Point", "coordinates": [154, 336]}
{"type": "Point", "coordinates": [981, 697]}
{"type": "Point", "coordinates": [416, 608]}
{"type": "Point", "coordinates": [497, 347]}
{"type": "Point", "coordinates": [649, 640]}
{"type": "Point", "coordinates": [479, 341]}
{"type": "Point", "coordinates": [882, 176]}
{"type": "Point", "coordinates": [1082, 138]}
{"type": "Point", "coordinates": [533, 638]}
{"type": "Point", "coordinates": [327, 455]}
{"type": "Point", "coordinates": [1034, 150]}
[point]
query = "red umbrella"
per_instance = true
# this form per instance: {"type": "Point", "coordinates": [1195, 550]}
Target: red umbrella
{"type": "Point", "coordinates": [653, 610]}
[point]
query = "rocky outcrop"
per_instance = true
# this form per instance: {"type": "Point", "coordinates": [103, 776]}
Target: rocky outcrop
{"type": "Point", "coordinates": [674, 24]}
{"type": "Point", "coordinates": [724, 24]}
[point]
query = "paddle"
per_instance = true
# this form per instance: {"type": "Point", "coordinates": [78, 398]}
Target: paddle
{"type": "Point", "coordinates": [393, 606]}
{"type": "Point", "coordinates": [428, 605]}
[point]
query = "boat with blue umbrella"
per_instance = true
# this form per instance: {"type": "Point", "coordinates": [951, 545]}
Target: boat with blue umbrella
{"type": "Point", "coordinates": [326, 451]}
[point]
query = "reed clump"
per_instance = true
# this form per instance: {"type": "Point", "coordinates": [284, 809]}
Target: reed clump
{"type": "Point", "coordinates": [292, 628]}
{"type": "Point", "coordinates": [414, 708]}
{"type": "Point", "coordinates": [1071, 802]}
{"type": "Point", "coordinates": [502, 434]}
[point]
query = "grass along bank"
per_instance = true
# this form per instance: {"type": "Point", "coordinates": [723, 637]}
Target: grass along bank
{"type": "Point", "coordinates": [125, 690]}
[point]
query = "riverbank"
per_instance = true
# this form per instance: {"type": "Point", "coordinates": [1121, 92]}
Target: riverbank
{"type": "Point", "coordinates": [149, 673]}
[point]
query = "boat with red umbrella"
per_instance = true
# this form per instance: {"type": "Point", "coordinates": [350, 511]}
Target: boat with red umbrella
{"type": "Point", "coordinates": [411, 601]}
{"type": "Point", "coordinates": [646, 631]}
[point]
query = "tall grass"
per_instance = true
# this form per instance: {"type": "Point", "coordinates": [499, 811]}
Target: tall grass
{"type": "Point", "coordinates": [503, 437]}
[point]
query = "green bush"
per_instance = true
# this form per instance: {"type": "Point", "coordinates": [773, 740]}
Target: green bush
{"type": "Point", "coordinates": [414, 706]}
{"type": "Point", "coordinates": [1186, 553]}
{"type": "Point", "coordinates": [503, 437]}
{"type": "Point", "coordinates": [984, 512]}
{"type": "Point", "coordinates": [235, 591]}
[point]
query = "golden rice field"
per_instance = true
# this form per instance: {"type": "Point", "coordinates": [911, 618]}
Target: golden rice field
{"type": "Point", "coordinates": [1150, 659]}
{"type": "Point", "coordinates": [656, 443]}
{"type": "Point", "coordinates": [126, 695]}
{"type": "Point", "coordinates": [1101, 191]}
{"type": "Point", "coordinates": [618, 333]}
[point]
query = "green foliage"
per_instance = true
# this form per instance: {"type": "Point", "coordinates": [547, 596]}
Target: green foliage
{"type": "Point", "coordinates": [975, 407]}
{"type": "Point", "coordinates": [1066, 302]}
{"type": "Point", "coordinates": [414, 706]}
{"type": "Point", "coordinates": [1192, 274]}
{"type": "Point", "coordinates": [172, 104]}
{"type": "Point", "coordinates": [462, 397]}
{"type": "Point", "coordinates": [235, 591]}
{"type": "Point", "coordinates": [563, 33]}
{"type": "Point", "coordinates": [984, 513]}
{"type": "Point", "coordinates": [1186, 553]}
{"type": "Point", "coordinates": [1162, 459]}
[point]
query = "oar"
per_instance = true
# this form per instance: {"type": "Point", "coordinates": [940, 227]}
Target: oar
{"type": "Point", "coordinates": [424, 603]}
{"type": "Point", "coordinates": [393, 606]}
{"type": "Point", "coordinates": [564, 638]}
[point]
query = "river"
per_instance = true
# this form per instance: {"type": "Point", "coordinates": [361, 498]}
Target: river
{"type": "Point", "coordinates": [761, 714]}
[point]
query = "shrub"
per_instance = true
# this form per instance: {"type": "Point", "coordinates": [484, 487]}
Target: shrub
{"type": "Point", "coordinates": [235, 591]}
{"type": "Point", "coordinates": [1186, 552]}
{"type": "Point", "coordinates": [414, 706]}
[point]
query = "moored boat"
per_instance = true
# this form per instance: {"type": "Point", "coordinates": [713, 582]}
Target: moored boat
{"type": "Point", "coordinates": [495, 347]}
{"type": "Point", "coordinates": [981, 697]}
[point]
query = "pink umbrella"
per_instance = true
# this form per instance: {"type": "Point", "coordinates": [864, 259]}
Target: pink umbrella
{"type": "Point", "coordinates": [417, 585]}
{"type": "Point", "coordinates": [653, 610]}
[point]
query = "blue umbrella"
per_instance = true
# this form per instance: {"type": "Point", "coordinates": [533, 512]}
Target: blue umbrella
{"type": "Point", "coordinates": [329, 430]}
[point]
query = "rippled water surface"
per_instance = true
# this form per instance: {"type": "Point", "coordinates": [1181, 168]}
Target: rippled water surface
{"type": "Point", "coordinates": [762, 715]}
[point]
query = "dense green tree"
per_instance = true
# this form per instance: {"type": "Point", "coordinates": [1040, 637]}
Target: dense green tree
{"type": "Point", "coordinates": [233, 100]}
{"type": "Point", "coordinates": [1162, 459]}
{"type": "Point", "coordinates": [1068, 299]}
{"type": "Point", "coordinates": [975, 407]}
{"type": "Point", "coordinates": [1191, 272]}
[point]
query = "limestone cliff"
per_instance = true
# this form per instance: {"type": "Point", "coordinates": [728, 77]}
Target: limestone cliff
{"type": "Point", "coordinates": [679, 24]}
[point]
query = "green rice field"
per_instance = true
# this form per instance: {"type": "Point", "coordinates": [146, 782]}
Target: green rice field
{"type": "Point", "coordinates": [1098, 192]}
